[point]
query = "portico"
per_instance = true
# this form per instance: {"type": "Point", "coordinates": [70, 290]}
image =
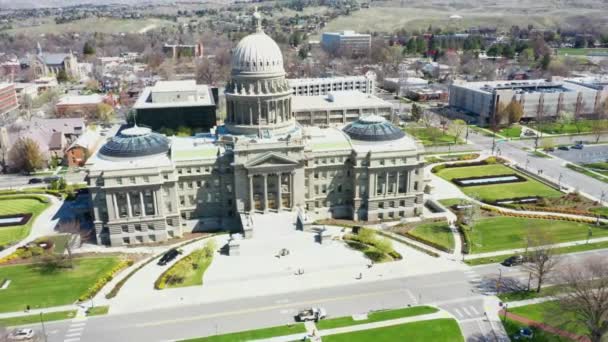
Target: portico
{"type": "Point", "coordinates": [271, 191]}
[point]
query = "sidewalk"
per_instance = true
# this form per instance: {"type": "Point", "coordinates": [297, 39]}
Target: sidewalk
{"type": "Point", "coordinates": [360, 327]}
{"type": "Point", "coordinates": [38, 311]}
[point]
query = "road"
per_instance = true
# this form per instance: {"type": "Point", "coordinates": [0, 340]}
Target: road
{"type": "Point", "coordinates": [17, 181]}
{"type": "Point", "coordinates": [454, 291]}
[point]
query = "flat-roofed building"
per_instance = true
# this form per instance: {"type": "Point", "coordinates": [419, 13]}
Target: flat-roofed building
{"type": "Point", "coordinates": [324, 85]}
{"type": "Point", "coordinates": [171, 104]}
{"type": "Point", "coordinates": [539, 98]}
{"type": "Point", "coordinates": [79, 105]}
{"type": "Point", "coordinates": [338, 107]}
{"type": "Point", "coordinates": [346, 43]}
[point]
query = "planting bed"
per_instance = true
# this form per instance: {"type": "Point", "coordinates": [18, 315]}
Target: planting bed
{"type": "Point", "coordinates": [488, 180]}
{"type": "Point", "coordinates": [15, 220]}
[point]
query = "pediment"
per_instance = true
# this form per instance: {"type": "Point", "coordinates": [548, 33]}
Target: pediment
{"type": "Point", "coordinates": [271, 160]}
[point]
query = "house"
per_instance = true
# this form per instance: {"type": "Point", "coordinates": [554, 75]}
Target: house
{"type": "Point", "coordinates": [80, 150]}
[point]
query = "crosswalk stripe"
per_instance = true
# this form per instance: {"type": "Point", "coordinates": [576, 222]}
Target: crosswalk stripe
{"type": "Point", "coordinates": [474, 310]}
{"type": "Point", "coordinates": [73, 330]}
{"type": "Point", "coordinates": [72, 339]}
{"type": "Point", "coordinates": [74, 334]}
{"type": "Point", "coordinates": [466, 311]}
{"type": "Point", "coordinates": [77, 324]}
{"type": "Point", "coordinates": [458, 312]}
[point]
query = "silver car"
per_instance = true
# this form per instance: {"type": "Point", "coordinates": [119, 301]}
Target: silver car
{"type": "Point", "coordinates": [24, 334]}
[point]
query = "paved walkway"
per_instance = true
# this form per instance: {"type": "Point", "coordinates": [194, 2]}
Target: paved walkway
{"type": "Point", "coordinates": [38, 311]}
{"type": "Point", "coordinates": [43, 225]}
{"type": "Point", "coordinates": [546, 327]}
{"type": "Point", "coordinates": [361, 327]}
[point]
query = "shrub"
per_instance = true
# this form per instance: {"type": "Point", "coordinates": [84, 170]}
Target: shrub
{"type": "Point", "coordinates": [103, 280]}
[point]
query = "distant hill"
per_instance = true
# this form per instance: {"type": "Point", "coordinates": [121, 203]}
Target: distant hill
{"type": "Point", "coordinates": [23, 4]}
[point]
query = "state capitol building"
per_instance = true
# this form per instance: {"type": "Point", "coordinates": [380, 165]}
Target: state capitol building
{"type": "Point", "coordinates": [146, 187]}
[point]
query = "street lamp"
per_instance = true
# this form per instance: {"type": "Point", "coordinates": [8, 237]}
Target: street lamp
{"type": "Point", "coordinates": [498, 281]}
{"type": "Point", "coordinates": [43, 328]}
{"type": "Point", "coordinates": [559, 181]}
{"type": "Point", "coordinates": [527, 163]}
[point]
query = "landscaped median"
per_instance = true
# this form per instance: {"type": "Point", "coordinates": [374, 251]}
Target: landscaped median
{"type": "Point", "coordinates": [434, 233]}
{"type": "Point", "coordinates": [375, 316]}
{"type": "Point", "coordinates": [377, 249]}
{"type": "Point", "coordinates": [37, 318]}
{"type": "Point", "coordinates": [11, 205]}
{"type": "Point", "coordinates": [256, 334]}
{"type": "Point", "coordinates": [188, 271]}
{"type": "Point", "coordinates": [436, 330]}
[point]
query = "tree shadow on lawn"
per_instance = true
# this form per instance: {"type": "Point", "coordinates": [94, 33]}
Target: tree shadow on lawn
{"type": "Point", "coordinates": [50, 267]}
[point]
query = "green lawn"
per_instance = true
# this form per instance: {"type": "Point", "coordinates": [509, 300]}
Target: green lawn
{"type": "Point", "coordinates": [17, 204]}
{"type": "Point", "coordinates": [599, 210]}
{"type": "Point", "coordinates": [188, 271]}
{"type": "Point", "coordinates": [431, 136]}
{"type": "Point", "coordinates": [598, 167]}
{"type": "Point", "coordinates": [98, 310]}
{"type": "Point", "coordinates": [30, 319]}
{"type": "Point", "coordinates": [254, 334]}
{"type": "Point", "coordinates": [586, 172]}
{"type": "Point", "coordinates": [561, 250]}
{"type": "Point", "coordinates": [552, 314]}
{"type": "Point", "coordinates": [436, 233]}
{"type": "Point", "coordinates": [511, 132]}
{"type": "Point", "coordinates": [42, 287]}
{"type": "Point", "coordinates": [499, 191]}
{"type": "Point", "coordinates": [500, 233]}
{"type": "Point", "coordinates": [377, 316]}
{"type": "Point", "coordinates": [582, 126]}
{"type": "Point", "coordinates": [579, 51]}
{"type": "Point", "coordinates": [512, 327]}
{"type": "Point", "coordinates": [436, 330]}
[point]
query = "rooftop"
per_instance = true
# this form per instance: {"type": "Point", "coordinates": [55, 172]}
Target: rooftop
{"type": "Point", "coordinates": [527, 86]}
{"type": "Point", "coordinates": [171, 86]}
{"type": "Point", "coordinates": [80, 99]}
{"type": "Point", "coordinates": [203, 96]}
{"type": "Point", "coordinates": [298, 81]}
{"type": "Point", "coordinates": [338, 99]}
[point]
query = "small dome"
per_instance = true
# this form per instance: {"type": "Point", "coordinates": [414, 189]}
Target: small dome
{"type": "Point", "coordinates": [135, 142]}
{"type": "Point", "coordinates": [257, 52]}
{"type": "Point", "coordinates": [373, 128]}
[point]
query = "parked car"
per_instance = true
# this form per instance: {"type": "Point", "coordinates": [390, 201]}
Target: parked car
{"type": "Point", "coordinates": [34, 181]}
{"type": "Point", "coordinates": [513, 260]}
{"type": "Point", "coordinates": [21, 335]}
{"type": "Point", "coordinates": [167, 257]}
{"type": "Point", "coordinates": [311, 314]}
{"type": "Point", "coordinates": [549, 149]}
{"type": "Point", "coordinates": [51, 179]}
{"type": "Point", "coordinates": [529, 133]}
{"type": "Point", "coordinates": [524, 334]}
{"type": "Point", "coordinates": [564, 148]}
{"type": "Point", "coordinates": [577, 146]}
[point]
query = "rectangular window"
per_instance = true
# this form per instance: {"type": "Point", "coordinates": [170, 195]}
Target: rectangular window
{"type": "Point", "coordinates": [182, 200]}
{"type": "Point", "coordinates": [119, 181]}
{"type": "Point", "coordinates": [149, 202]}
{"type": "Point", "coordinates": [150, 226]}
{"type": "Point", "coordinates": [165, 176]}
{"type": "Point", "coordinates": [152, 238]}
{"type": "Point", "coordinates": [416, 186]}
{"type": "Point", "coordinates": [402, 203]}
{"type": "Point", "coordinates": [125, 228]}
{"type": "Point", "coordinates": [132, 180]}
{"type": "Point", "coordinates": [381, 205]}
{"type": "Point", "coordinates": [138, 227]}
{"type": "Point", "coordinates": [126, 241]}
{"type": "Point", "coordinates": [146, 179]}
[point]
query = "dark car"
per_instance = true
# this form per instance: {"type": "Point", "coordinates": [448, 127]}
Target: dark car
{"type": "Point", "coordinates": [577, 147]}
{"type": "Point", "coordinates": [550, 149]}
{"type": "Point", "coordinates": [513, 260]}
{"type": "Point", "coordinates": [167, 257]}
{"type": "Point", "coordinates": [524, 334]}
{"type": "Point", "coordinates": [564, 148]}
{"type": "Point", "coordinates": [34, 181]}
{"type": "Point", "coordinates": [51, 179]}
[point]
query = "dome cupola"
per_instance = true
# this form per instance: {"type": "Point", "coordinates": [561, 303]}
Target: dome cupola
{"type": "Point", "coordinates": [373, 128]}
{"type": "Point", "coordinates": [135, 142]}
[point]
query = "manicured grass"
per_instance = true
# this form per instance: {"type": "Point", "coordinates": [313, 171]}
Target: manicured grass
{"type": "Point", "coordinates": [599, 210]}
{"type": "Point", "coordinates": [580, 51]}
{"type": "Point", "coordinates": [448, 202]}
{"type": "Point", "coordinates": [31, 319]}
{"type": "Point", "coordinates": [498, 191]}
{"type": "Point", "coordinates": [254, 334]}
{"type": "Point", "coordinates": [560, 250]}
{"type": "Point", "coordinates": [436, 330]}
{"type": "Point", "coordinates": [41, 287]}
{"type": "Point", "coordinates": [16, 204]}
{"type": "Point", "coordinates": [511, 132]}
{"type": "Point", "coordinates": [586, 172]}
{"type": "Point", "coordinates": [512, 327]}
{"type": "Point", "coordinates": [432, 136]}
{"type": "Point", "coordinates": [436, 233]}
{"type": "Point", "coordinates": [98, 310]}
{"type": "Point", "coordinates": [582, 126]}
{"type": "Point", "coordinates": [188, 271]}
{"type": "Point", "coordinates": [500, 233]}
{"type": "Point", "coordinates": [552, 314]}
{"type": "Point", "coordinates": [598, 167]}
{"type": "Point", "coordinates": [376, 316]}
{"type": "Point", "coordinates": [540, 154]}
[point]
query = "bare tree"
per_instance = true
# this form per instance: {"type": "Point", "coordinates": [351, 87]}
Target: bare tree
{"type": "Point", "coordinates": [541, 258]}
{"type": "Point", "coordinates": [457, 128]}
{"type": "Point", "coordinates": [587, 296]}
{"type": "Point", "coordinates": [25, 155]}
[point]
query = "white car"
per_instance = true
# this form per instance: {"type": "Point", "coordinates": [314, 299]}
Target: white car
{"type": "Point", "coordinates": [311, 314]}
{"type": "Point", "coordinates": [21, 335]}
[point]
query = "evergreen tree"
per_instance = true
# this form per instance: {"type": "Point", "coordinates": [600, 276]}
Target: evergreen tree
{"type": "Point", "coordinates": [88, 49]}
{"type": "Point", "coordinates": [62, 76]}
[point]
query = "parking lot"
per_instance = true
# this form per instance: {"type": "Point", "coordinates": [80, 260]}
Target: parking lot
{"type": "Point", "coordinates": [589, 154]}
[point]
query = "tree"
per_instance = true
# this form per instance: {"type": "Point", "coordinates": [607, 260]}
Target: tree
{"type": "Point", "coordinates": [457, 128]}
{"type": "Point", "coordinates": [501, 116]}
{"type": "Point", "coordinates": [515, 111]}
{"type": "Point", "coordinates": [598, 128]}
{"type": "Point", "coordinates": [62, 76]}
{"type": "Point", "coordinates": [88, 49]}
{"type": "Point", "coordinates": [545, 61]}
{"type": "Point", "coordinates": [207, 72]}
{"type": "Point", "coordinates": [416, 112]}
{"type": "Point", "coordinates": [586, 296]}
{"type": "Point", "coordinates": [25, 155]}
{"type": "Point", "coordinates": [411, 46]}
{"type": "Point", "coordinates": [541, 257]}
{"type": "Point", "coordinates": [105, 113]}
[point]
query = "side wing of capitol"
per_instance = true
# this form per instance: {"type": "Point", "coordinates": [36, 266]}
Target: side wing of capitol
{"type": "Point", "coordinates": [146, 187]}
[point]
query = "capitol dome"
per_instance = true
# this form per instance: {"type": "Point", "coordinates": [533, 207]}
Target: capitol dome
{"type": "Point", "coordinates": [257, 53]}
{"type": "Point", "coordinates": [135, 142]}
{"type": "Point", "coordinates": [373, 128]}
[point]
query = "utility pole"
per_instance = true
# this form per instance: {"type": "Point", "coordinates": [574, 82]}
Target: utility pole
{"type": "Point", "coordinates": [43, 328]}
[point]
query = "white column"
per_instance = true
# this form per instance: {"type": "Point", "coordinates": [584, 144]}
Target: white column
{"type": "Point", "coordinates": [142, 209]}
{"type": "Point", "coordinates": [291, 192]}
{"type": "Point", "coordinates": [251, 203]}
{"type": "Point", "coordinates": [280, 204]}
{"type": "Point", "coordinates": [408, 181]}
{"type": "Point", "coordinates": [115, 205]}
{"type": "Point", "coordinates": [157, 207]}
{"type": "Point", "coordinates": [386, 183]}
{"type": "Point", "coordinates": [129, 211]}
{"type": "Point", "coordinates": [265, 192]}
{"type": "Point", "coordinates": [397, 182]}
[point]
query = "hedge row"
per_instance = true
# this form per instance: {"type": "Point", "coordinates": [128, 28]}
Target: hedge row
{"type": "Point", "coordinates": [487, 161]}
{"type": "Point", "coordinates": [563, 211]}
{"type": "Point", "coordinates": [465, 239]}
{"type": "Point", "coordinates": [539, 216]}
{"type": "Point", "coordinates": [429, 243]}
{"type": "Point", "coordinates": [103, 280]}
